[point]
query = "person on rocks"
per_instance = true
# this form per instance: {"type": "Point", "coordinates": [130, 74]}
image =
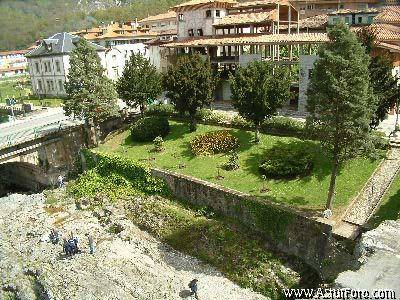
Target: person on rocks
{"type": "Point", "coordinates": [91, 244]}
{"type": "Point", "coordinates": [54, 237]}
{"type": "Point", "coordinates": [193, 288]}
{"type": "Point", "coordinates": [60, 180]}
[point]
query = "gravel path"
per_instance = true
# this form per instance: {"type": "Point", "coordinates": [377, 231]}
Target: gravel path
{"type": "Point", "coordinates": [363, 207]}
{"type": "Point", "coordinates": [128, 265]}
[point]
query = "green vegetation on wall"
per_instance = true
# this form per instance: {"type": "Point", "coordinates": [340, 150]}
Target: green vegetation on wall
{"type": "Point", "coordinates": [119, 170]}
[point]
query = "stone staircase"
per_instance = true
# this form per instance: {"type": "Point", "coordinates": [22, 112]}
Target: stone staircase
{"type": "Point", "coordinates": [362, 208]}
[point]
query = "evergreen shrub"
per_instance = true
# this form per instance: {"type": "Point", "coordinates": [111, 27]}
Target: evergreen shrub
{"type": "Point", "coordinates": [148, 128]}
{"type": "Point", "coordinates": [287, 161]}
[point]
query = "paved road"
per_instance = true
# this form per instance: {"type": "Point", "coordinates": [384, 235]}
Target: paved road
{"type": "Point", "coordinates": [37, 124]}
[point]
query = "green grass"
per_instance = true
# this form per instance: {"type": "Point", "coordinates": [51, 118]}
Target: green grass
{"type": "Point", "coordinates": [390, 205]}
{"type": "Point", "coordinates": [8, 90]}
{"type": "Point", "coordinates": [307, 193]}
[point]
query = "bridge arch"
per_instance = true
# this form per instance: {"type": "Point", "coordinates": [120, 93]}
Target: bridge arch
{"type": "Point", "coordinates": [23, 177]}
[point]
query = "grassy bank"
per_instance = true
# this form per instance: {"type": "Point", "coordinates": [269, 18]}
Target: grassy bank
{"type": "Point", "coordinates": [308, 192]}
{"type": "Point", "coordinates": [240, 255]}
{"type": "Point", "coordinates": [390, 205]}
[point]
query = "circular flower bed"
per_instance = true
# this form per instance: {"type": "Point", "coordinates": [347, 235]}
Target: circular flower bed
{"type": "Point", "coordinates": [214, 142]}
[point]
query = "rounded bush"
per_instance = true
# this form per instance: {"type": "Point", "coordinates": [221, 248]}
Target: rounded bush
{"type": "Point", "coordinates": [160, 110]}
{"type": "Point", "coordinates": [147, 129]}
{"type": "Point", "coordinates": [287, 161]}
{"type": "Point", "coordinates": [214, 142]}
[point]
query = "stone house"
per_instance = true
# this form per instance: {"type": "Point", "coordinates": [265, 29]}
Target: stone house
{"type": "Point", "coordinates": [49, 63]}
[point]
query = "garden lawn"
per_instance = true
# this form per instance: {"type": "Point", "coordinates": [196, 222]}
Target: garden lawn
{"type": "Point", "coordinates": [8, 90]}
{"type": "Point", "coordinates": [390, 205]}
{"type": "Point", "coordinates": [308, 192]}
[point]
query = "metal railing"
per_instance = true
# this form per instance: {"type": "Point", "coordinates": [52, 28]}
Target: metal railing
{"type": "Point", "coordinates": [30, 134]}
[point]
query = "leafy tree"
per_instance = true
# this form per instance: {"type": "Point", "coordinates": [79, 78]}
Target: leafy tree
{"type": "Point", "coordinates": [258, 90]}
{"type": "Point", "coordinates": [340, 99]}
{"type": "Point", "coordinates": [91, 95]}
{"type": "Point", "coordinates": [384, 84]}
{"type": "Point", "coordinates": [190, 85]}
{"type": "Point", "coordinates": [140, 82]}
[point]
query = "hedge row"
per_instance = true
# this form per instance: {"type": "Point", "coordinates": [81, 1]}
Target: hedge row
{"type": "Point", "coordinates": [276, 125]}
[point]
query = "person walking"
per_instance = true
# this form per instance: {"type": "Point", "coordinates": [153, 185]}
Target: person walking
{"type": "Point", "coordinates": [193, 288]}
{"type": "Point", "coordinates": [91, 244]}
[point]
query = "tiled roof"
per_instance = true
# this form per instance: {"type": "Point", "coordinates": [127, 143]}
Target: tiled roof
{"type": "Point", "coordinates": [258, 3]}
{"type": "Point", "coordinates": [61, 43]}
{"type": "Point", "coordinates": [354, 11]}
{"type": "Point", "coordinates": [387, 46]}
{"type": "Point", "coordinates": [247, 18]}
{"type": "Point", "coordinates": [386, 32]}
{"type": "Point", "coordinates": [315, 22]}
{"type": "Point", "coordinates": [265, 39]}
{"type": "Point", "coordinates": [389, 14]}
{"type": "Point", "coordinates": [168, 15]}
{"type": "Point", "coordinates": [202, 2]}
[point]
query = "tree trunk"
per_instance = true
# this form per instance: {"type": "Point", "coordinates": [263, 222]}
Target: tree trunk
{"type": "Point", "coordinates": [331, 193]}
{"type": "Point", "coordinates": [142, 108]}
{"type": "Point", "coordinates": [257, 132]}
{"type": "Point", "coordinates": [91, 133]}
{"type": "Point", "coordinates": [192, 123]}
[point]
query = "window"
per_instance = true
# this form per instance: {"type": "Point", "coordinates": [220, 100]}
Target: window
{"type": "Point", "coordinates": [310, 6]}
{"type": "Point", "coordinates": [60, 85]}
{"type": "Point", "coordinates": [360, 20]}
{"type": "Point", "coordinates": [200, 32]}
{"type": "Point", "coordinates": [39, 85]}
{"type": "Point", "coordinates": [58, 66]}
{"type": "Point", "coordinates": [180, 17]}
{"type": "Point", "coordinates": [45, 67]}
{"type": "Point", "coordinates": [208, 13]}
{"type": "Point", "coordinates": [370, 19]}
{"type": "Point", "coordinates": [310, 71]}
{"type": "Point", "coordinates": [347, 20]}
{"type": "Point", "coordinates": [335, 20]}
{"type": "Point", "coordinates": [217, 13]}
{"type": "Point", "coordinates": [37, 68]}
{"type": "Point", "coordinates": [341, 6]}
{"type": "Point", "coordinates": [190, 32]}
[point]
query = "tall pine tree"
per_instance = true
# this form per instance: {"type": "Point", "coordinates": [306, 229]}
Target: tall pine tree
{"type": "Point", "coordinates": [340, 99]}
{"type": "Point", "coordinates": [140, 82]}
{"type": "Point", "coordinates": [91, 95]}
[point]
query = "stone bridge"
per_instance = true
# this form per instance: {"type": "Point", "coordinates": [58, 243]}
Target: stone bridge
{"type": "Point", "coordinates": [32, 159]}
{"type": "Point", "coordinates": [36, 163]}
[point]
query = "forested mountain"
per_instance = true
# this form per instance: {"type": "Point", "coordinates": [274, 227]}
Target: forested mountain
{"type": "Point", "coordinates": [22, 22]}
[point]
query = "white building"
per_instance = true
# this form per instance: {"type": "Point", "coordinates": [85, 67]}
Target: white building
{"type": "Point", "coordinates": [117, 56]}
{"type": "Point", "coordinates": [49, 63]}
{"type": "Point", "coordinates": [13, 63]}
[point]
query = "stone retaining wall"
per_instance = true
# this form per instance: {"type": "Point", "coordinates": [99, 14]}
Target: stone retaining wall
{"type": "Point", "coordinates": [283, 228]}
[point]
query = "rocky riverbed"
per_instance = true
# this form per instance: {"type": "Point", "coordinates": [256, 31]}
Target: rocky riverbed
{"type": "Point", "coordinates": [128, 263]}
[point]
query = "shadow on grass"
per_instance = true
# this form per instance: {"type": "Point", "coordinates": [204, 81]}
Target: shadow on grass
{"type": "Point", "coordinates": [387, 211]}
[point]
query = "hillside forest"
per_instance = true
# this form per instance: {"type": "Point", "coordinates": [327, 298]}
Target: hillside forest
{"type": "Point", "coordinates": [23, 22]}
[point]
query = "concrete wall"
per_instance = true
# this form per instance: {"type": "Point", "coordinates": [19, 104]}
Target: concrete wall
{"type": "Point", "coordinates": [196, 19]}
{"type": "Point", "coordinates": [306, 66]}
{"type": "Point", "coordinates": [284, 229]}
